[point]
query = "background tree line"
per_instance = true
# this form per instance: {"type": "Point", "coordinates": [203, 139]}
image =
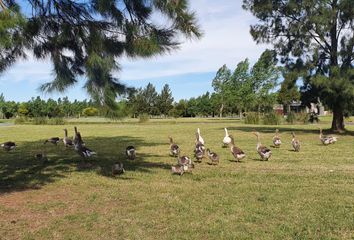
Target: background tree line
{"type": "Point", "coordinates": [242, 90]}
{"type": "Point", "coordinates": [37, 107]}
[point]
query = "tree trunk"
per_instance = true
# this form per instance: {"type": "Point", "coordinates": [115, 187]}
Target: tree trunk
{"type": "Point", "coordinates": [338, 120]}
{"type": "Point", "coordinates": [221, 110]}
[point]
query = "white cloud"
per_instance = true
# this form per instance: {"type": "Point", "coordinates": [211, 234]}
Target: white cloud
{"type": "Point", "coordinates": [226, 41]}
{"type": "Point", "coordinates": [29, 70]}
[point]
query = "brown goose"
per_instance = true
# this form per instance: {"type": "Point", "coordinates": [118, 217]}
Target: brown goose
{"type": "Point", "coordinates": [130, 152]}
{"type": "Point", "coordinates": [177, 169]}
{"type": "Point", "coordinates": [68, 142]}
{"type": "Point", "coordinates": [184, 160]}
{"type": "Point", "coordinates": [117, 168]}
{"type": "Point", "coordinates": [276, 139]}
{"type": "Point", "coordinates": [82, 150]}
{"type": "Point", "coordinates": [53, 140]}
{"type": "Point", "coordinates": [295, 142]}
{"type": "Point", "coordinates": [76, 138]}
{"type": "Point", "coordinates": [174, 149]}
{"type": "Point", "coordinates": [213, 157]}
{"type": "Point", "coordinates": [8, 146]}
{"type": "Point", "coordinates": [262, 150]}
{"type": "Point", "coordinates": [326, 140]}
{"type": "Point", "coordinates": [236, 151]}
{"type": "Point", "coordinates": [198, 153]}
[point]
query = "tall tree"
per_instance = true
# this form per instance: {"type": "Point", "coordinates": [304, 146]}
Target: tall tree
{"type": "Point", "coordinates": [219, 84]}
{"type": "Point", "coordinates": [264, 75]}
{"type": "Point", "coordinates": [240, 88]}
{"type": "Point", "coordinates": [318, 33]}
{"type": "Point", "coordinates": [165, 100]}
{"type": "Point", "coordinates": [87, 38]}
{"type": "Point", "coordinates": [149, 97]}
{"type": "Point", "coordinates": [289, 91]}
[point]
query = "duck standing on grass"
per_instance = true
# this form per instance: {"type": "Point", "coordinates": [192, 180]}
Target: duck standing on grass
{"type": "Point", "coordinates": [262, 150]}
{"type": "Point", "coordinates": [276, 139]}
{"type": "Point", "coordinates": [213, 157]}
{"type": "Point", "coordinates": [326, 140]}
{"type": "Point", "coordinates": [236, 151]}
{"type": "Point", "coordinates": [227, 140]}
{"type": "Point", "coordinates": [174, 148]}
{"type": "Point", "coordinates": [295, 143]}
{"type": "Point", "coordinates": [130, 152]}
{"type": "Point", "coordinates": [8, 146]}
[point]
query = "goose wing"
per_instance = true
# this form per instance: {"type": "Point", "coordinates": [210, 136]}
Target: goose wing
{"type": "Point", "coordinates": [263, 149]}
{"type": "Point", "coordinates": [85, 152]}
{"type": "Point", "coordinates": [236, 151]}
{"type": "Point", "coordinates": [296, 145]}
{"type": "Point", "coordinates": [276, 140]}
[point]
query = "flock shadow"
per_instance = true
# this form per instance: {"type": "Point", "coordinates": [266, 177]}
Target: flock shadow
{"type": "Point", "coordinates": [20, 169]}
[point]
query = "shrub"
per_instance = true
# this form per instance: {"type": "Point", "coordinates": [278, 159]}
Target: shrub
{"type": "Point", "coordinates": [20, 120]}
{"type": "Point", "coordinates": [144, 118]}
{"type": "Point", "coordinates": [291, 118]}
{"type": "Point", "coordinates": [303, 117]}
{"type": "Point", "coordinates": [90, 112]}
{"type": "Point", "coordinates": [272, 118]}
{"type": "Point", "coordinates": [174, 113]}
{"type": "Point", "coordinates": [252, 118]}
{"type": "Point", "coordinates": [56, 121]}
{"type": "Point", "coordinates": [40, 121]}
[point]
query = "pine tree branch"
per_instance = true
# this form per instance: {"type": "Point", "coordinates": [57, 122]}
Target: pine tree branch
{"type": "Point", "coordinates": [2, 5]}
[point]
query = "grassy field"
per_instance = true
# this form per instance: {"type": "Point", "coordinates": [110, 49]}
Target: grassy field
{"type": "Point", "coordinates": [305, 195]}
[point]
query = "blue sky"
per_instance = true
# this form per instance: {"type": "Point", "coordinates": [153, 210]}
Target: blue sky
{"type": "Point", "coordinates": [189, 70]}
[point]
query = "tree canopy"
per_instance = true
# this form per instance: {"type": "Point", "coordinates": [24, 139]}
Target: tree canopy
{"type": "Point", "coordinates": [247, 88]}
{"type": "Point", "coordinates": [87, 38]}
{"type": "Point", "coordinates": [316, 36]}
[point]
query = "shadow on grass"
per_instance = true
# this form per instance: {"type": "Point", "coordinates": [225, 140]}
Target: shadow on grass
{"type": "Point", "coordinates": [21, 170]}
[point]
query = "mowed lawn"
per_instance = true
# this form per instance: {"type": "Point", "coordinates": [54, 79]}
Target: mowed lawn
{"type": "Point", "coordinates": [304, 195]}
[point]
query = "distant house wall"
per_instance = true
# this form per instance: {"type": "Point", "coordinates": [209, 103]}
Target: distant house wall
{"type": "Point", "coordinates": [299, 107]}
{"type": "Point", "coordinates": [278, 108]}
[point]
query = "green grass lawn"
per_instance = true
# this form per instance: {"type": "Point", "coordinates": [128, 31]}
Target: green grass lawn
{"type": "Point", "coordinates": [305, 195]}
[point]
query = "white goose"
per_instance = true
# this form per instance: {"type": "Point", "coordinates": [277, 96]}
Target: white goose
{"type": "Point", "coordinates": [200, 139]}
{"type": "Point", "coordinates": [227, 139]}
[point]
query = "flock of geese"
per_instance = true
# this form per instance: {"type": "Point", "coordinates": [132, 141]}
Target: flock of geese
{"type": "Point", "coordinates": [78, 145]}
{"type": "Point", "coordinates": [184, 163]}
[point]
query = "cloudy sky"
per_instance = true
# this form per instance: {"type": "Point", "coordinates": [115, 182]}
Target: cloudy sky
{"type": "Point", "coordinates": [189, 71]}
